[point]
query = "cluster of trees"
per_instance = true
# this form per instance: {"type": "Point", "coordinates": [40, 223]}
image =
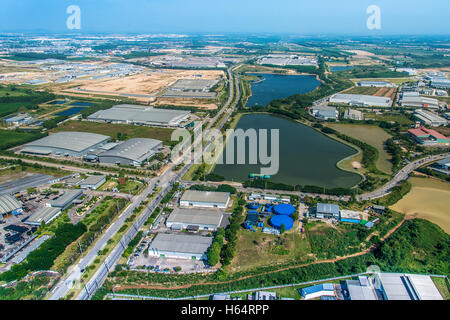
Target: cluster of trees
{"type": "Point", "coordinates": [231, 233]}
{"type": "Point", "coordinates": [396, 152]}
{"type": "Point", "coordinates": [13, 138]}
{"type": "Point", "coordinates": [221, 188]}
{"type": "Point", "coordinates": [214, 251]}
{"type": "Point", "coordinates": [43, 257]}
{"type": "Point", "coordinates": [396, 194]}
{"type": "Point", "coordinates": [133, 243]}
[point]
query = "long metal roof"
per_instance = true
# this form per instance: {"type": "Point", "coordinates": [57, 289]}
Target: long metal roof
{"type": "Point", "coordinates": [181, 243]}
{"type": "Point", "coordinates": [328, 208]}
{"type": "Point", "coordinates": [66, 198]}
{"type": "Point", "coordinates": [205, 196]}
{"type": "Point", "coordinates": [93, 180]}
{"type": "Point", "coordinates": [136, 149]}
{"type": "Point", "coordinates": [69, 140]}
{"type": "Point", "coordinates": [45, 214]}
{"type": "Point", "coordinates": [196, 217]}
{"type": "Point", "coordinates": [139, 114]}
{"type": "Point", "coordinates": [8, 204]}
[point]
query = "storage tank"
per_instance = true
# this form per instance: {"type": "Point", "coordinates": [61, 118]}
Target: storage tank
{"type": "Point", "coordinates": [284, 209]}
{"type": "Point", "coordinates": [279, 220]}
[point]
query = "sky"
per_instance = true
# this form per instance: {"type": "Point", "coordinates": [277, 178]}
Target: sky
{"type": "Point", "coordinates": [228, 16]}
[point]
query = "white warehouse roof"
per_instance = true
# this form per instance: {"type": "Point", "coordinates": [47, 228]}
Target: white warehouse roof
{"type": "Point", "coordinates": [136, 149]}
{"type": "Point", "coordinates": [181, 243]}
{"type": "Point", "coordinates": [360, 99]}
{"type": "Point", "coordinates": [205, 196]}
{"type": "Point", "coordinates": [196, 217]}
{"type": "Point", "coordinates": [69, 140]}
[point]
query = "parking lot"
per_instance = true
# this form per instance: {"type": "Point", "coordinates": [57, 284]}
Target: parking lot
{"type": "Point", "coordinates": [140, 259]}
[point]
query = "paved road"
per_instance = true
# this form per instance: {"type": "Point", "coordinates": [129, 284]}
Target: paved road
{"type": "Point", "coordinates": [400, 176]}
{"type": "Point", "coordinates": [165, 181]}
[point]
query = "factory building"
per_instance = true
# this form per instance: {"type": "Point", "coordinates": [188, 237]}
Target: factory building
{"type": "Point", "coordinates": [9, 205]}
{"type": "Point", "coordinates": [418, 101]}
{"type": "Point", "coordinates": [205, 199]}
{"type": "Point", "coordinates": [440, 82]}
{"type": "Point", "coordinates": [361, 100]}
{"type": "Point", "coordinates": [325, 112]}
{"type": "Point", "coordinates": [378, 84]}
{"type": "Point", "coordinates": [46, 215]}
{"type": "Point", "coordinates": [398, 286]}
{"type": "Point", "coordinates": [429, 118]}
{"type": "Point", "coordinates": [75, 144]}
{"type": "Point", "coordinates": [442, 166]}
{"type": "Point", "coordinates": [350, 216]}
{"type": "Point", "coordinates": [65, 200]}
{"type": "Point", "coordinates": [194, 219]}
{"type": "Point", "coordinates": [428, 137]}
{"type": "Point", "coordinates": [318, 290]}
{"type": "Point", "coordinates": [361, 289]}
{"type": "Point", "coordinates": [20, 119]}
{"type": "Point", "coordinates": [141, 115]}
{"type": "Point", "coordinates": [352, 114]}
{"type": "Point", "coordinates": [180, 246]}
{"type": "Point", "coordinates": [327, 211]}
{"type": "Point", "coordinates": [92, 182]}
{"type": "Point", "coordinates": [134, 152]}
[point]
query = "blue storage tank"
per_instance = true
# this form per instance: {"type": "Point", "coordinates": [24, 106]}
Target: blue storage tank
{"type": "Point", "coordinates": [284, 209]}
{"type": "Point", "coordinates": [279, 220]}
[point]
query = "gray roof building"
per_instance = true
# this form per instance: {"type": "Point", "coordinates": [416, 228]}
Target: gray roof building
{"type": "Point", "coordinates": [209, 199]}
{"type": "Point", "coordinates": [66, 143]}
{"type": "Point", "coordinates": [93, 182]}
{"type": "Point", "coordinates": [204, 219]}
{"type": "Point", "coordinates": [131, 152]}
{"type": "Point", "coordinates": [361, 100]}
{"type": "Point", "coordinates": [398, 286]}
{"type": "Point", "coordinates": [9, 204]}
{"type": "Point", "coordinates": [361, 289]}
{"type": "Point", "coordinates": [46, 214]}
{"type": "Point", "coordinates": [66, 199]}
{"type": "Point", "coordinates": [180, 246]}
{"type": "Point", "coordinates": [418, 101]}
{"type": "Point", "coordinates": [325, 112]}
{"type": "Point", "coordinates": [429, 118]}
{"type": "Point", "coordinates": [140, 115]}
{"type": "Point", "coordinates": [353, 114]}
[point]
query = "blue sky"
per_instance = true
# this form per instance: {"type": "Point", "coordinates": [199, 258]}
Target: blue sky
{"type": "Point", "coordinates": [221, 16]}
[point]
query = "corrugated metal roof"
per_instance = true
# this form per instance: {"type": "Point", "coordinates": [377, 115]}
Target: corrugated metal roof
{"type": "Point", "coordinates": [205, 196]}
{"type": "Point", "coordinates": [328, 208]}
{"type": "Point", "coordinates": [45, 214]}
{"type": "Point", "coordinates": [73, 141]}
{"type": "Point", "coordinates": [8, 204]}
{"type": "Point", "coordinates": [136, 149]}
{"type": "Point", "coordinates": [139, 114]}
{"type": "Point", "coordinates": [66, 198]}
{"type": "Point", "coordinates": [317, 288]}
{"type": "Point", "coordinates": [198, 217]}
{"type": "Point", "coordinates": [180, 243]}
{"type": "Point", "coordinates": [93, 180]}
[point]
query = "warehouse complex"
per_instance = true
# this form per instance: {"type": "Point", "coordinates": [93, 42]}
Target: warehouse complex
{"type": "Point", "coordinates": [75, 144]}
{"type": "Point", "coordinates": [398, 286]}
{"type": "Point", "coordinates": [361, 100]}
{"type": "Point", "coordinates": [141, 115]}
{"type": "Point", "coordinates": [378, 84]}
{"type": "Point", "coordinates": [93, 182]}
{"type": "Point", "coordinates": [428, 137]}
{"type": "Point", "coordinates": [9, 205]}
{"type": "Point", "coordinates": [181, 246]}
{"type": "Point", "coordinates": [194, 219]}
{"type": "Point", "coordinates": [135, 152]}
{"type": "Point", "coordinates": [429, 118]}
{"type": "Point", "coordinates": [46, 215]}
{"type": "Point", "coordinates": [65, 200]}
{"type": "Point", "coordinates": [409, 100]}
{"type": "Point", "coordinates": [325, 112]}
{"type": "Point", "coordinates": [205, 199]}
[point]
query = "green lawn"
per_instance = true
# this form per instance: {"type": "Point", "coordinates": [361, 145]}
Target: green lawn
{"type": "Point", "coordinates": [373, 135]}
{"type": "Point", "coordinates": [112, 130]}
{"type": "Point", "coordinates": [10, 138]}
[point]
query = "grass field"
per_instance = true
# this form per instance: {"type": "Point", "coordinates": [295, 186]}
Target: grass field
{"type": "Point", "coordinates": [112, 130]}
{"type": "Point", "coordinates": [373, 135]}
{"type": "Point", "coordinates": [259, 249]}
{"type": "Point", "coordinates": [428, 199]}
{"type": "Point", "coordinates": [386, 116]}
{"type": "Point", "coordinates": [9, 138]}
{"type": "Point", "coordinates": [362, 90]}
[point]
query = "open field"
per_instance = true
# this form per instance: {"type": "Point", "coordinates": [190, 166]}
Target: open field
{"type": "Point", "coordinates": [186, 102]}
{"type": "Point", "coordinates": [112, 130]}
{"type": "Point", "coordinates": [386, 116]}
{"type": "Point", "coordinates": [148, 83]}
{"type": "Point", "coordinates": [255, 249]}
{"type": "Point", "coordinates": [428, 199]}
{"type": "Point", "coordinates": [362, 90]}
{"type": "Point", "coordinates": [373, 135]}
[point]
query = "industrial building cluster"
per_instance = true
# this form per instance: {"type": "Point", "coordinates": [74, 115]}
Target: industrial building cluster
{"type": "Point", "coordinates": [95, 148]}
{"type": "Point", "coordinates": [288, 60]}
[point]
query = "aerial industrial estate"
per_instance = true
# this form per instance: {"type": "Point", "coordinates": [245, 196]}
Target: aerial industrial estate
{"type": "Point", "coordinates": [105, 192]}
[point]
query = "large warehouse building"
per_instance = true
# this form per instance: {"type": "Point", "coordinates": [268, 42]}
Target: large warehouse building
{"type": "Point", "coordinates": [75, 144]}
{"type": "Point", "coordinates": [429, 118]}
{"type": "Point", "coordinates": [9, 205]}
{"type": "Point", "coordinates": [45, 214]}
{"type": "Point", "coordinates": [181, 246]}
{"type": "Point", "coordinates": [141, 115]}
{"type": "Point", "coordinates": [418, 101]}
{"type": "Point", "coordinates": [205, 199]}
{"type": "Point", "coordinates": [361, 100]}
{"type": "Point", "coordinates": [398, 286]}
{"type": "Point", "coordinates": [135, 152]}
{"type": "Point", "coordinates": [194, 219]}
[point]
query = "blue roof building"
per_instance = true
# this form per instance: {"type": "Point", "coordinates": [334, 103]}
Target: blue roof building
{"type": "Point", "coordinates": [327, 211]}
{"type": "Point", "coordinates": [318, 290]}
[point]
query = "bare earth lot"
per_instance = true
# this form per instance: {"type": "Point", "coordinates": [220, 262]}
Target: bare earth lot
{"type": "Point", "coordinates": [428, 199]}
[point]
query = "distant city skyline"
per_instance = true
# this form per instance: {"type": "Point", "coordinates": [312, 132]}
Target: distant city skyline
{"type": "Point", "coordinates": [228, 16]}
